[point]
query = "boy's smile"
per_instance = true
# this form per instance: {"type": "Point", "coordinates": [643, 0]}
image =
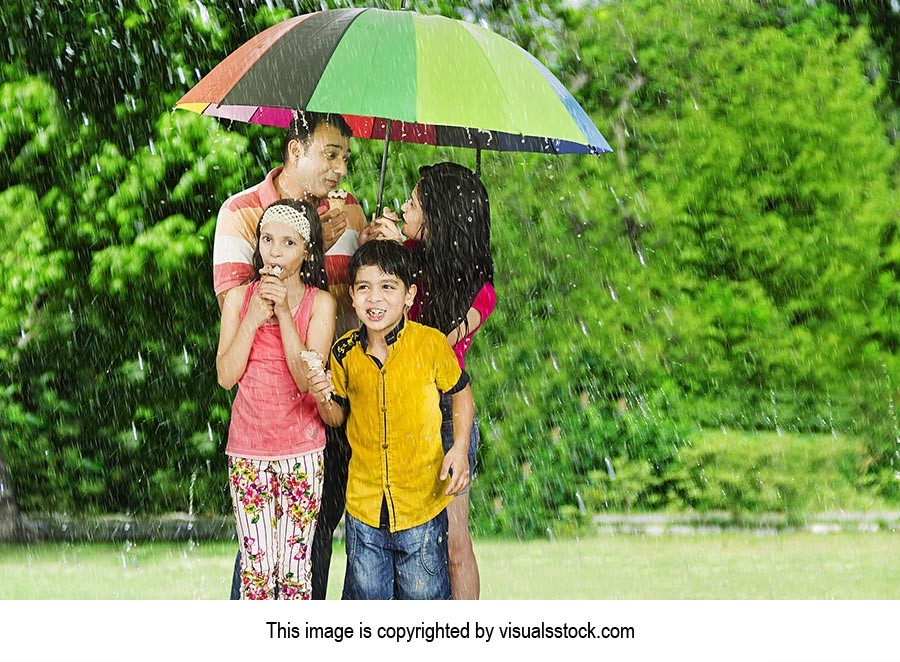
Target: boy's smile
{"type": "Point", "coordinates": [380, 299]}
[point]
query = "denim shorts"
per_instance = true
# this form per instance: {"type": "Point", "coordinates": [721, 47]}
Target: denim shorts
{"type": "Point", "coordinates": [447, 436]}
{"type": "Point", "coordinates": [404, 565]}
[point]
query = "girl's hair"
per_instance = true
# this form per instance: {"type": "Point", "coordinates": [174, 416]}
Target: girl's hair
{"type": "Point", "coordinates": [312, 271]}
{"type": "Point", "coordinates": [454, 255]}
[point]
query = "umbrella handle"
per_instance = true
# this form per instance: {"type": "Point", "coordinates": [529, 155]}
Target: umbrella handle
{"type": "Point", "coordinates": [384, 155]}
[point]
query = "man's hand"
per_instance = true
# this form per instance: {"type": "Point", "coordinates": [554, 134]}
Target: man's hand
{"type": "Point", "coordinates": [334, 222]}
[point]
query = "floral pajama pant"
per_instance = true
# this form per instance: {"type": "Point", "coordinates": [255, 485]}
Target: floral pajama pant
{"type": "Point", "coordinates": [275, 506]}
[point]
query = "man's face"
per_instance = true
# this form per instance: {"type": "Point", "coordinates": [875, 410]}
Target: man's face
{"type": "Point", "coordinates": [323, 163]}
{"type": "Point", "coordinates": [380, 299]}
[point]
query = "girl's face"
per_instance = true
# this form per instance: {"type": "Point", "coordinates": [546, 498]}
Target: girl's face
{"type": "Point", "coordinates": [282, 245]}
{"type": "Point", "coordinates": [413, 217]}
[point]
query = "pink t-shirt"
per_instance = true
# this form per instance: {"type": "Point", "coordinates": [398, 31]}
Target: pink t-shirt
{"type": "Point", "coordinates": [270, 418]}
{"type": "Point", "coordinates": [485, 302]}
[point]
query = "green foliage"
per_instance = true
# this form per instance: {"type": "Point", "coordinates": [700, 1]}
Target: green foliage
{"type": "Point", "coordinates": [735, 263]}
{"type": "Point", "coordinates": [748, 475]}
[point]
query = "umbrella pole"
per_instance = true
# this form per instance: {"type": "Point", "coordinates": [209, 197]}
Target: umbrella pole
{"type": "Point", "coordinates": [478, 162]}
{"type": "Point", "coordinates": [384, 155]}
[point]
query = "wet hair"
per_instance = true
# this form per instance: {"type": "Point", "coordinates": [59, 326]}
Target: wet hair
{"type": "Point", "coordinates": [304, 124]}
{"type": "Point", "coordinates": [454, 255]}
{"type": "Point", "coordinates": [389, 256]}
{"type": "Point", "coordinates": [312, 271]}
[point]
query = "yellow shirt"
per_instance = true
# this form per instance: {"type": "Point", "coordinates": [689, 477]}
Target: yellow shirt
{"type": "Point", "coordinates": [394, 422]}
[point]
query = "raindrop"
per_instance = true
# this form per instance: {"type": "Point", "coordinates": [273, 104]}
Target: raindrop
{"type": "Point", "coordinates": [204, 14]}
{"type": "Point", "coordinates": [609, 468]}
{"type": "Point", "coordinates": [140, 362]}
{"type": "Point", "coordinates": [191, 499]}
{"type": "Point", "coordinates": [775, 415]}
{"type": "Point", "coordinates": [581, 507]}
{"type": "Point", "coordinates": [133, 430]}
{"type": "Point", "coordinates": [612, 293]}
{"type": "Point", "coordinates": [184, 352]}
{"type": "Point", "coordinates": [152, 147]}
{"type": "Point", "coordinates": [209, 432]}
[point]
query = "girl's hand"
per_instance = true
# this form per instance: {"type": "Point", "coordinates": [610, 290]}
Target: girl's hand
{"type": "Point", "coordinates": [320, 385]}
{"type": "Point", "coordinates": [271, 289]}
{"type": "Point", "coordinates": [259, 310]}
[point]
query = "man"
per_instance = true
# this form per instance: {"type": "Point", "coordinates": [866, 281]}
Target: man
{"type": "Point", "coordinates": [316, 153]}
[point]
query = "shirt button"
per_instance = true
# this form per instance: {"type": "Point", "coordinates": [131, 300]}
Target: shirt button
{"type": "Point", "coordinates": [384, 445]}
{"type": "Point", "coordinates": [384, 409]}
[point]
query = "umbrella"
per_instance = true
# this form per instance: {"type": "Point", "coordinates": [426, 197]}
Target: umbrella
{"type": "Point", "coordinates": [399, 76]}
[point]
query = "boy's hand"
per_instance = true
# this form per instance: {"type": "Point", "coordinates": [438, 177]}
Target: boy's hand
{"type": "Point", "coordinates": [455, 465]}
{"type": "Point", "coordinates": [320, 385]}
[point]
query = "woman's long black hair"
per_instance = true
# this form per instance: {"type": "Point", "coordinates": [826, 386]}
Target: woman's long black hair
{"type": "Point", "coordinates": [455, 253]}
{"type": "Point", "coordinates": [312, 271]}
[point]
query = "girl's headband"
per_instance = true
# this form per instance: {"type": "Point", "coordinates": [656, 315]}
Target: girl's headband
{"type": "Point", "coordinates": [291, 217]}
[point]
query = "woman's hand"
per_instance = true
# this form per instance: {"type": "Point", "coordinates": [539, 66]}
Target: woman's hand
{"type": "Point", "coordinates": [385, 227]}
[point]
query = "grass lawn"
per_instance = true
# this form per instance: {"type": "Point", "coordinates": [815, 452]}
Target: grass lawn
{"type": "Point", "coordinates": [724, 566]}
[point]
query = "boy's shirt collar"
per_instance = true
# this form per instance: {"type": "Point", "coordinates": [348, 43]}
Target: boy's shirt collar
{"type": "Point", "coordinates": [390, 338]}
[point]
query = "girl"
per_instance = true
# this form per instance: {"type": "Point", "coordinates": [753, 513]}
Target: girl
{"type": "Point", "coordinates": [276, 438]}
{"type": "Point", "coordinates": [447, 224]}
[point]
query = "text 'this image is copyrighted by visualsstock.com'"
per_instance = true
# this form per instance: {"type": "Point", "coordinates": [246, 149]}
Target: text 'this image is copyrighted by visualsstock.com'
{"type": "Point", "coordinates": [429, 632]}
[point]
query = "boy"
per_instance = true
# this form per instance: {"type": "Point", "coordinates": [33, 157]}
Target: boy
{"type": "Point", "coordinates": [385, 380]}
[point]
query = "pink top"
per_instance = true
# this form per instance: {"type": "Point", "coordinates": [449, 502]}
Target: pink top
{"type": "Point", "coordinates": [484, 303]}
{"type": "Point", "coordinates": [270, 418]}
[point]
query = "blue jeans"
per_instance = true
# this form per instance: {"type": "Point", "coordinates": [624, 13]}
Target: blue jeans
{"type": "Point", "coordinates": [404, 565]}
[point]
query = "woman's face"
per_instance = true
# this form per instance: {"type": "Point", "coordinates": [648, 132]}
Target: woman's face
{"type": "Point", "coordinates": [413, 218]}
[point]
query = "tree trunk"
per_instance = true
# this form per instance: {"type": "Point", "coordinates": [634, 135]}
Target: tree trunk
{"type": "Point", "coordinates": [10, 519]}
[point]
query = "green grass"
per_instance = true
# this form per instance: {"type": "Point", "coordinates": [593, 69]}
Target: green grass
{"type": "Point", "coordinates": [725, 566]}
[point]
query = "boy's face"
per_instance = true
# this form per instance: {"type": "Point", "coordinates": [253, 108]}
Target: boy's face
{"type": "Point", "coordinates": [380, 299]}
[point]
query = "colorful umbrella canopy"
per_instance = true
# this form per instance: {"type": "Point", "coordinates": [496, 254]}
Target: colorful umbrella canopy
{"type": "Point", "coordinates": [439, 81]}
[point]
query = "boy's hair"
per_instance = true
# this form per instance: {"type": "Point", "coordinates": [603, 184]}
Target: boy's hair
{"type": "Point", "coordinates": [389, 256]}
{"type": "Point", "coordinates": [312, 271]}
{"type": "Point", "coordinates": [303, 126]}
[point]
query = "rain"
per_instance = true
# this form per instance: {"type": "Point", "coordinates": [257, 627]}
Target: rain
{"type": "Point", "coordinates": [692, 362]}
